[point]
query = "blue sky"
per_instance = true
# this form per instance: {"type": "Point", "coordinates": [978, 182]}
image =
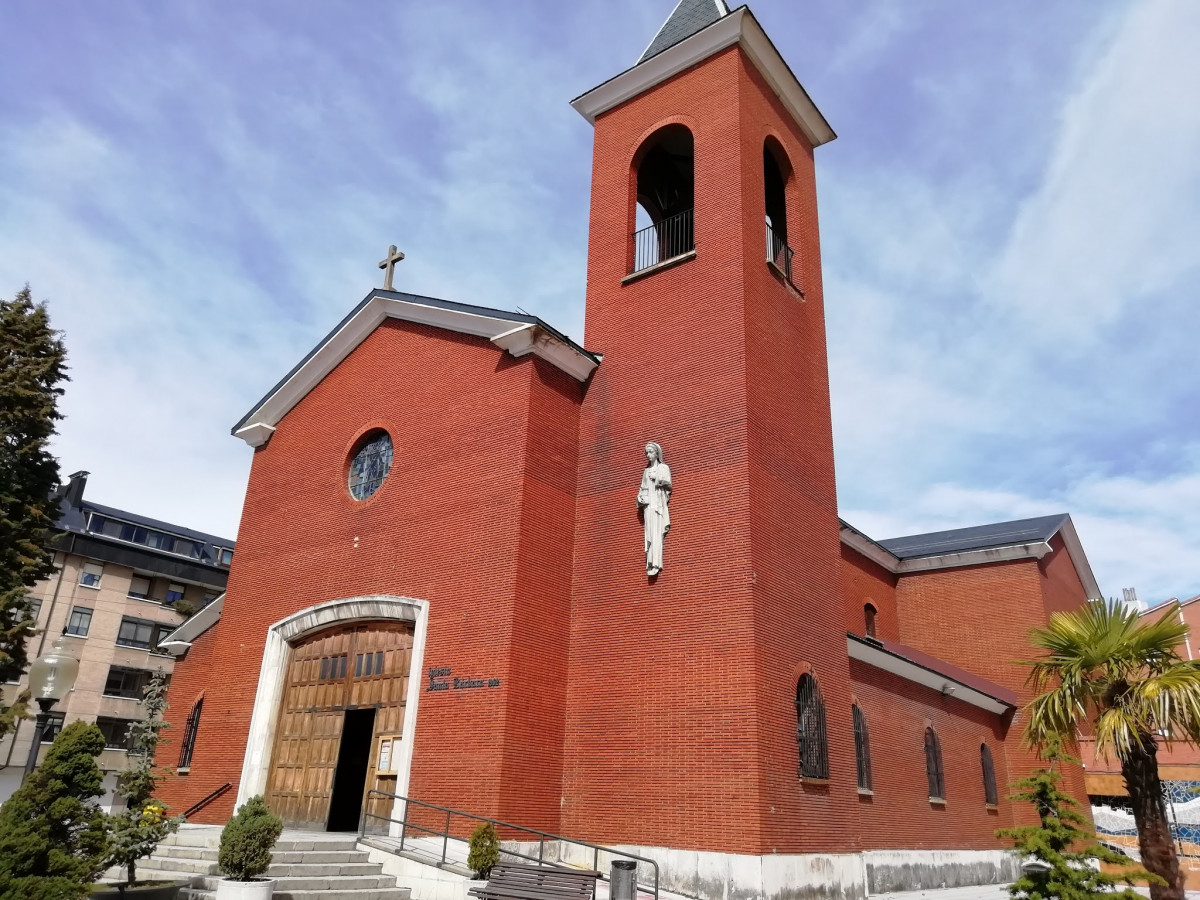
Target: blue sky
{"type": "Point", "coordinates": [1010, 225]}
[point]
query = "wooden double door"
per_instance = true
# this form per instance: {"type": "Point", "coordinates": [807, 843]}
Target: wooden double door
{"type": "Point", "coordinates": [343, 700]}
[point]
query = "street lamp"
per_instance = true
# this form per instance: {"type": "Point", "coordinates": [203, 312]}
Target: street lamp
{"type": "Point", "coordinates": [50, 678]}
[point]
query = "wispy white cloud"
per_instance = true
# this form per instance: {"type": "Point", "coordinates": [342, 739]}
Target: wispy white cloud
{"type": "Point", "coordinates": [202, 191]}
{"type": "Point", "coordinates": [1040, 370]}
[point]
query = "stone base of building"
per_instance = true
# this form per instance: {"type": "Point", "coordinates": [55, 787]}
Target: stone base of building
{"type": "Point", "coordinates": [734, 876]}
{"type": "Point", "coordinates": [911, 870]}
{"type": "Point", "coordinates": [814, 876]}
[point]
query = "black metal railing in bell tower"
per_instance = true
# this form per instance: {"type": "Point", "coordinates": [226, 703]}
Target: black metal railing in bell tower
{"type": "Point", "coordinates": [663, 241]}
{"type": "Point", "coordinates": [779, 254]}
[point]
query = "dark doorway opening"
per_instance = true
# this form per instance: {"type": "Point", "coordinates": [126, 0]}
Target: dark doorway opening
{"type": "Point", "coordinates": [350, 776]}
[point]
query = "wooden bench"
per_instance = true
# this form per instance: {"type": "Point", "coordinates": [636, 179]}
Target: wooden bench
{"type": "Point", "coordinates": [518, 881]}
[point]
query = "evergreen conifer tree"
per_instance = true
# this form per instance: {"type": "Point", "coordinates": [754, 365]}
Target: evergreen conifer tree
{"type": "Point", "coordinates": [53, 835]}
{"type": "Point", "coordinates": [138, 830]}
{"type": "Point", "coordinates": [1059, 850]}
{"type": "Point", "coordinates": [32, 366]}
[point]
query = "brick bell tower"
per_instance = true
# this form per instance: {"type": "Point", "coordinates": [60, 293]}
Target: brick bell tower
{"type": "Point", "coordinates": [704, 296]}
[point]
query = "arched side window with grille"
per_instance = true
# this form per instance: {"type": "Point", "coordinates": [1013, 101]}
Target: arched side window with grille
{"type": "Point", "coordinates": [810, 722]}
{"type": "Point", "coordinates": [189, 735]}
{"type": "Point", "coordinates": [862, 750]}
{"type": "Point", "coordinates": [933, 765]}
{"type": "Point", "coordinates": [869, 620]}
{"type": "Point", "coordinates": [989, 775]}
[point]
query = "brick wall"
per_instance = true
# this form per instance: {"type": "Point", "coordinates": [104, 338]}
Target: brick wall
{"type": "Point", "coordinates": [979, 618]}
{"type": "Point", "coordinates": [476, 504]}
{"type": "Point", "coordinates": [898, 815]}
{"type": "Point", "coordinates": [866, 582]}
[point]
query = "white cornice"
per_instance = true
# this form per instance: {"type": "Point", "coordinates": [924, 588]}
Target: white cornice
{"type": "Point", "coordinates": [527, 337]}
{"type": "Point", "coordinates": [256, 434]}
{"type": "Point", "coordinates": [739, 27]}
{"type": "Point", "coordinates": [1082, 567]}
{"type": "Point", "coordinates": [868, 548]}
{"type": "Point", "coordinates": [178, 641]}
{"type": "Point", "coordinates": [880, 658]}
{"type": "Point", "coordinates": [531, 338]}
{"type": "Point", "coordinates": [878, 554]}
{"type": "Point", "coordinates": [1032, 550]}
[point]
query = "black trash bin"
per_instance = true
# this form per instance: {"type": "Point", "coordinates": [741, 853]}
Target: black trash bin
{"type": "Point", "coordinates": [623, 880]}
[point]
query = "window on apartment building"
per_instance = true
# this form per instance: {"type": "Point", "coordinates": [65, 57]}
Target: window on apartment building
{"type": "Point", "coordinates": [139, 587]}
{"type": "Point", "coordinates": [90, 575]}
{"type": "Point", "coordinates": [810, 721]}
{"type": "Point", "coordinates": [189, 735]}
{"type": "Point", "coordinates": [141, 633]}
{"type": "Point", "coordinates": [187, 547]}
{"type": "Point", "coordinates": [79, 621]}
{"type": "Point", "coordinates": [54, 724]}
{"type": "Point", "coordinates": [862, 749]}
{"type": "Point", "coordinates": [224, 556]}
{"type": "Point", "coordinates": [869, 620]}
{"type": "Point", "coordinates": [115, 731]}
{"type": "Point", "coordinates": [174, 593]}
{"type": "Point", "coordinates": [35, 608]}
{"type": "Point", "coordinates": [138, 534]}
{"type": "Point", "coordinates": [990, 796]}
{"type": "Point", "coordinates": [124, 682]}
{"type": "Point", "coordinates": [933, 765]}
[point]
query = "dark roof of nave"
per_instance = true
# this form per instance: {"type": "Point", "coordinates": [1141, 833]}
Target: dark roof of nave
{"type": "Point", "coordinates": [978, 537]}
{"type": "Point", "coordinates": [688, 17]}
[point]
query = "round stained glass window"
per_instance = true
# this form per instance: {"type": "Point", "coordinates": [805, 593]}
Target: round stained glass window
{"type": "Point", "coordinates": [370, 465]}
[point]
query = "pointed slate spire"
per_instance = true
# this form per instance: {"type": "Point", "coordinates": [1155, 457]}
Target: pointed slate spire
{"type": "Point", "coordinates": [688, 17]}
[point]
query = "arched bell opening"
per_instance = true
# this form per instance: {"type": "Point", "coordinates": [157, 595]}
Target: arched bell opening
{"type": "Point", "coordinates": [777, 177]}
{"type": "Point", "coordinates": [665, 196]}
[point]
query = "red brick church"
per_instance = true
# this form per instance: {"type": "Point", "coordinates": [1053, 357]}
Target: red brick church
{"type": "Point", "coordinates": [604, 591]}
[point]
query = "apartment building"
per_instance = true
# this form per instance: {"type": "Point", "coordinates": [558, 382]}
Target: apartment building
{"type": "Point", "coordinates": [124, 582]}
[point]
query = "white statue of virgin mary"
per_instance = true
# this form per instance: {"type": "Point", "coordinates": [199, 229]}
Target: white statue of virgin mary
{"type": "Point", "coordinates": [653, 497]}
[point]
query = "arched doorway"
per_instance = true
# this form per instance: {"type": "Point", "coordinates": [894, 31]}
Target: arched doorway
{"type": "Point", "coordinates": [341, 717]}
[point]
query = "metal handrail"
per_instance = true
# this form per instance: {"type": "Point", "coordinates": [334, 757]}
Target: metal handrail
{"type": "Point", "coordinates": [209, 799]}
{"type": "Point", "coordinates": [664, 240]}
{"type": "Point", "coordinates": [542, 836]}
{"type": "Point", "coordinates": [779, 254]}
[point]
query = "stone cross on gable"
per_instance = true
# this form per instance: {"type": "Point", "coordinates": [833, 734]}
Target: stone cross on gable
{"type": "Point", "coordinates": [389, 265]}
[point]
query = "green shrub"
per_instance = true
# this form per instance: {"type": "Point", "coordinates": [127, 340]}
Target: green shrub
{"type": "Point", "coordinates": [485, 850]}
{"type": "Point", "coordinates": [53, 835]}
{"type": "Point", "coordinates": [247, 839]}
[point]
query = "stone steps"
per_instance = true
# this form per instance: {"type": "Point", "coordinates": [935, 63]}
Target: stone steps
{"type": "Point", "coordinates": [303, 867]}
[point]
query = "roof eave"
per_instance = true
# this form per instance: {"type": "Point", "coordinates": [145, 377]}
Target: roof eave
{"type": "Point", "coordinates": [874, 654]}
{"type": "Point", "coordinates": [181, 639]}
{"type": "Point", "coordinates": [1083, 568]}
{"type": "Point", "coordinates": [739, 27]}
{"type": "Point", "coordinates": [518, 335]}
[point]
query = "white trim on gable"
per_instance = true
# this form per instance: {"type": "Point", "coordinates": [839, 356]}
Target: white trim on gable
{"type": "Point", "coordinates": [1082, 567]}
{"type": "Point", "coordinates": [880, 658]}
{"type": "Point", "coordinates": [527, 338]}
{"type": "Point", "coordinates": [739, 27]}
{"type": "Point", "coordinates": [180, 640]}
{"type": "Point", "coordinates": [1031, 550]}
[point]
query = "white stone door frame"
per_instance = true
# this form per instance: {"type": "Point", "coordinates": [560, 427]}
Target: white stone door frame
{"type": "Point", "coordinates": [260, 743]}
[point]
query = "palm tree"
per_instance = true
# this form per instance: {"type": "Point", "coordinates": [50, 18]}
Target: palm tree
{"type": "Point", "coordinates": [1122, 676]}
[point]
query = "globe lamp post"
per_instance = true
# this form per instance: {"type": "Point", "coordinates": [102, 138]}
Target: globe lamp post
{"type": "Point", "coordinates": [51, 677]}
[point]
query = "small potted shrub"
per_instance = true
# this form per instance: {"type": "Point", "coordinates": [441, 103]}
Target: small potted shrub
{"type": "Point", "coordinates": [245, 853]}
{"type": "Point", "coordinates": [484, 851]}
